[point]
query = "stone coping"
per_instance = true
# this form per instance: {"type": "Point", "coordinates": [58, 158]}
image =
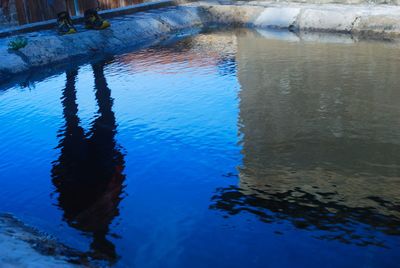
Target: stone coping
{"type": "Point", "coordinates": [47, 47]}
{"type": "Point", "coordinates": [373, 21]}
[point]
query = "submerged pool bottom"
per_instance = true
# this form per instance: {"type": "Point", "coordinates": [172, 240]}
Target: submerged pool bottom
{"type": "Point", "coordinates": [231, 148]}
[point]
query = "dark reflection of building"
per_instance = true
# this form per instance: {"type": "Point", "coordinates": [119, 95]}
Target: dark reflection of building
{"type": "Point", "coordinates": [88, 174]}
{"type": "Point", "coordinates": [321, 138]}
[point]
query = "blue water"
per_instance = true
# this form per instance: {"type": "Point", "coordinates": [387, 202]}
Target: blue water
{"type": "Point", "coordinates": [226, 149]}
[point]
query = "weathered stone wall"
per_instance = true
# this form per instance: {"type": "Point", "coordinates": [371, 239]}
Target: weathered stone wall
{"type": "Point", "coordinates": [343, 2]}
{"type": "Point", "coordinates": [376, 22]}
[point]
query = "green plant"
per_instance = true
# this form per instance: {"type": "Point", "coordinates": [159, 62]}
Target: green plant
{"type": "Point", "coordinates": [18, 43]}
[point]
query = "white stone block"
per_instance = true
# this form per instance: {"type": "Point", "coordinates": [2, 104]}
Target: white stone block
{"type": "Point", "coordinates": [277, 17]}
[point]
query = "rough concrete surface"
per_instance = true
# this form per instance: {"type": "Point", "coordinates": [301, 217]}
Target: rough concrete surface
{"type": "Point", "coordinates": [22, 246]}
{"type": "Point", "coordinates": [371, 20]}
{"type": "Point", "coordinates": [277, 17]}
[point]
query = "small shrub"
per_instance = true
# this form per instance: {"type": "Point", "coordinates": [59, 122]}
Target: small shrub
{"type": "Point", "coordinates": [17, 43]}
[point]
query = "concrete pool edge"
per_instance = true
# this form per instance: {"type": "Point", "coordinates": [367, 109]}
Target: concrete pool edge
{"type": "Point", "coordinates": [50, 24]}
{"type": "Point", "coordinates": [377, 22]}
{"type": "Point", "coordinates": [22, 245]}
{"type": "Point", "coordinates": [369, 21]}
{"type": "Point", "coordinates": [45, 48]}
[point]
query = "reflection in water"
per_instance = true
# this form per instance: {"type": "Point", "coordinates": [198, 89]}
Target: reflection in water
{"type": "Point", "coordinates": [312, 211]}
{"type": "Point", "coordinates": [320, 152]}
{"type": "Point", "coordinates": [319, 127]}
{"type": "Point", "coordinates": [199, 53]}
{"type": "Point", "coordinates": [88, 174]}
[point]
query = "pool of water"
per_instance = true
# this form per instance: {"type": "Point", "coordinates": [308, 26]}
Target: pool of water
{"type": "Point", "coordinates": [235, 148]}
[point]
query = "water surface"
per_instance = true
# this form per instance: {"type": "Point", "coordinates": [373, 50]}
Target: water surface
{"type": "Point", "coordinates": [224, 149]}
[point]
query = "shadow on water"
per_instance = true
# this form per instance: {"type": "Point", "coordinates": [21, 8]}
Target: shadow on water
{"type": "Point", "coordinates": [88, 174]}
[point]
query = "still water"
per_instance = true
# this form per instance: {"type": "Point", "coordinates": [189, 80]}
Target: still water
{"type": "Point", "coordinates": [224, 149]}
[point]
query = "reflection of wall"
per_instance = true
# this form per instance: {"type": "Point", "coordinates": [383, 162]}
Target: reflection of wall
{"type": "Point", "coordinates": [321, 139]}
{"type": "Point", "coordinates": [322, 118]}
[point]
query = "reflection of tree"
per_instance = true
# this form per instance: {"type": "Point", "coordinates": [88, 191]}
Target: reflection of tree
{"type": "Point", "coordinates": [88, 174]}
